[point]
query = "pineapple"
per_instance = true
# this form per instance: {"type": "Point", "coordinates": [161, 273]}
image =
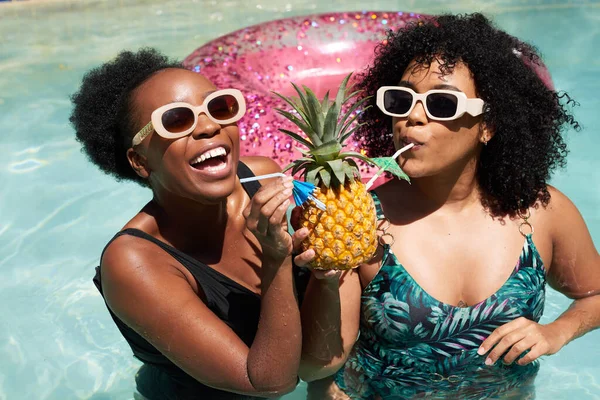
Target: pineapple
{"type": "Point", "coordinates": [344, 234]}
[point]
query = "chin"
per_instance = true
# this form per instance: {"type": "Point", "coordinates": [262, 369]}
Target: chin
{"type": "Point", "coordinates": [413, 169]}
{"type": "Point", "coordinates": [214, 192]}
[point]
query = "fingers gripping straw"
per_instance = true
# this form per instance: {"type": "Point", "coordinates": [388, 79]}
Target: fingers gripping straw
{"type": "Point", "coordinates": [302, 191]}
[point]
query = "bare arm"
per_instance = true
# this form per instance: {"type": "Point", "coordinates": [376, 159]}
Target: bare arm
{"type": "Point", "coordinates": [575, 272]}
{"type": "Point", "coordinates": [330, 321]}
{"type": "Point", "coordinates": [279, 329]}
{"type": "Point", "coordinates": [575, 269]}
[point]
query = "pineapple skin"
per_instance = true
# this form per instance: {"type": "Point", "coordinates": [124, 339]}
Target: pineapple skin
{"type": "Point", "coordinates": [344, 236]}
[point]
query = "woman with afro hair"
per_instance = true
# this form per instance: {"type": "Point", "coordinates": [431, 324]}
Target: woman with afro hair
{"type": "Point", "coordinates": [200, 281]}
{"type": "Point", "coordinates": [450, 306]}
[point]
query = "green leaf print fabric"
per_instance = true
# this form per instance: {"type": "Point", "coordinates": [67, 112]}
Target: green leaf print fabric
{"type": "Point", "coordinates": [414, 346]}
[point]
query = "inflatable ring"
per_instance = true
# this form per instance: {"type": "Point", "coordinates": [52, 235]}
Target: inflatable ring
{"type": "Point", "coordinates": [316, 51]}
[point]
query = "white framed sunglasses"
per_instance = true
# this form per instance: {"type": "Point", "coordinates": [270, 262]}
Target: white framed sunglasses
{"type": "Point", "coordinates": [176, 120]}
{"type": "Point", "coordinates": [439, 105]}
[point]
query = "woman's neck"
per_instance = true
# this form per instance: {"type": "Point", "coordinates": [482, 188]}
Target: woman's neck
{"type": "Point", "coordinates": [453, 190]}
{"type": "Point", "coordinates": [186, 223]}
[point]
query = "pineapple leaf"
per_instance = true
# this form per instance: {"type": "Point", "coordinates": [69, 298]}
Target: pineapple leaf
{"type": "Point", "coordinates": [345, 128]}
{"type": "Point", "coordinates": [297, 121]}
{"type": "Point", "coordinates": [303, 151]}
{"type": "Point", "coordinates": [355, 155]}
{"type": "Point", "coordinates": [325, 102]}
{"type": "Point", "coordinates": [351, 95]}
{"type": "Point", "coordinates": [305, 108]}
{"type": "Point", "coordinates": [287, 167]}
{"type": "Point", "coordinates": [350, 111]}
{"type": "Point", "coordinates": [294, 105]}
{"type": "Point", "coordinates": [311, 115]}
{"type": "Point", "coordinates": [350, 122]}
{"type": "Point", "coordinates": [304, 159]}
{"type": "Point", "coordinates": [349, 133]}
{"type": "Point", "coordinates": [326, 152]}
{"type": "Point", "coordinates": [299, 167]}
{"type": "Point", "coordinates": [350, 175]}
{"type": "Point", "coordinates": [340, 97]}
{"type": "Point", "coordinates": [297, 138]}
{"type": "Point", "coordinates": [311, 176]}
{"type": "Point", "coordinates": [351, 169]}
{"type": "Point", "coordinates": [325, 177]}
{"type": "Point", "coordinates": [337, 167]}
{"type": "Point", "coordinates": [314, 108]}
{"type": "Point", "coordinates": [330, 125]}
{"type": "Point", "coordinates": [351, 163]}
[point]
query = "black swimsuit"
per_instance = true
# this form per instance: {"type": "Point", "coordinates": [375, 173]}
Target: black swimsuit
{"type": "Point", "coordinates": [234, 304]}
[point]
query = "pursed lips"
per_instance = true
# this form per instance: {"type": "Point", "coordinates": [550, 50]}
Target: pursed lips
{"type": "Point", "coordinates": [407, 140]}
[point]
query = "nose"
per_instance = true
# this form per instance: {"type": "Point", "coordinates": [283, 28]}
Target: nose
{"type": "Point", "coordinates": [206, 127]}
{"type": "Point", "coordinates": [417, 115]}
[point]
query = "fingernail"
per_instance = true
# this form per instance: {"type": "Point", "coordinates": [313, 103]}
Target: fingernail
{"type": "Point", "coordinates": [488, 361]}
{"type": "Point", "coordinates": [287, 192]}
{"type": "Point", "coordinates": [288, 184]}
{"type": "Point", "coordinates": [481, 351]}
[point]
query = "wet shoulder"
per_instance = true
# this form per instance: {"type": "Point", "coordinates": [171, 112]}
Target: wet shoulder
{"type": "Point", "coordinates": [261, 165]}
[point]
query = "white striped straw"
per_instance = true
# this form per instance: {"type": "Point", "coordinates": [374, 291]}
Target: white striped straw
{"type": "Point", "coordinates": [381, 170]}
{"type": "Point", "coordinates": [259, 177]}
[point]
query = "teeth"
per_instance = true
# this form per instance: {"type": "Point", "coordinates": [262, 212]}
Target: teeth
{"type": "Point", "coordinates": [217, 152]}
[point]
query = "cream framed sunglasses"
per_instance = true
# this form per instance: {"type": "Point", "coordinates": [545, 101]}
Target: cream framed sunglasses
{"type": "Point", "coordinates": [176, 120]}
{"type": "Point", "coordinates": [439, 105]}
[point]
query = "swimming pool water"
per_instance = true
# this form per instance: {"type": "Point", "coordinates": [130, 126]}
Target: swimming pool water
{"type": "Point", "coordinates": [57, 211]}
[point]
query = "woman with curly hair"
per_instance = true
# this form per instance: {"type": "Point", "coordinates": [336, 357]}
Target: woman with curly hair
{"type": "Point", "coordinates": [450, 306]}
{"type": "Point", "coordinates": [200, 281]}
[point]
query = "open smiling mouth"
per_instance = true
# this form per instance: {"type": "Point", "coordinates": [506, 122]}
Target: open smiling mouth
{"type": "Point", "coordinates": [211, 161]}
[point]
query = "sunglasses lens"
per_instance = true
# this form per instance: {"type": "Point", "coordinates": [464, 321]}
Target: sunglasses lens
{"type": "Point", "coordinates": [442, 105]}
{"type": "Point", "coordinates": [223, 107]}
{"type": "Point", "coordinates": [397, 101]}
{"type": "Point", "coordinates": [178, 119]}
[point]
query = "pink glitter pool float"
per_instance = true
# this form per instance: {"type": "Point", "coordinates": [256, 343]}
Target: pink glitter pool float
{"type": "Point", "coordinates": [317, 51]}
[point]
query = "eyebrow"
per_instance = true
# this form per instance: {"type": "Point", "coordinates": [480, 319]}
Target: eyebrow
{"type": "Point", "coordinates": [440, 86]}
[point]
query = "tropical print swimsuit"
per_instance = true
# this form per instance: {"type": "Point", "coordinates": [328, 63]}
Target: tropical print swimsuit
{"type": "Point", "coordinates": [414, 346]}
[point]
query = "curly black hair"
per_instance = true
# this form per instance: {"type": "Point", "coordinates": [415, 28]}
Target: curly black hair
{"type": "Point", "coordinates": [527, 117]}
{"type": "Point", "coordinates": [103, 109]}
